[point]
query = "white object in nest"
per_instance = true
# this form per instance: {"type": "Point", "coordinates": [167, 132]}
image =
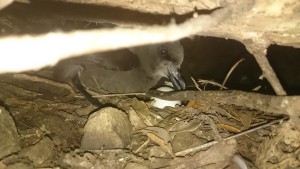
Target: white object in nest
{"type": "Point", "coordinates": [240, 162]}
{"type": "Point", "coordinates": [159, 103]}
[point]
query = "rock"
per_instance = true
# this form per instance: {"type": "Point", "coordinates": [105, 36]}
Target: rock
{"type": "Point", "coordinates": [9, 138]}
{"type": "Point", "coordinates": [20, 165]}
{"type": "Point", "coordinates": [75, 159]}
{"type": "Point", "coordinates": [107, 128]}
{"type": "Point", "coordinates": [40, 153]}
{"type": "Point", "coordinates": [135, 166]}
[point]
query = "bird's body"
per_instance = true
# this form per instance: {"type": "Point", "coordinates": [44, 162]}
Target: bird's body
{"type": "Point", "coordinates": [128, 70]}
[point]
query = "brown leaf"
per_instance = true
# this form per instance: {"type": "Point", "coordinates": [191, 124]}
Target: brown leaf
{"type": "Point", "coordinates": [229, 128]}
{"type": "Point", "coordinates": [195, 104]}
{"type": "Point", "coordinates": [161, 137]}
{"type": "Point", "coordinates": [167, 147]}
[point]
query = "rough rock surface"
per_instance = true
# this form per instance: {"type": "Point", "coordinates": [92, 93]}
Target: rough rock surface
{"type": "Point", "coordinates": [40, 153]}
{"type": "Point", "coordinates": [107, 128]}
{"type": "Point", "coordinates": [9, 138]}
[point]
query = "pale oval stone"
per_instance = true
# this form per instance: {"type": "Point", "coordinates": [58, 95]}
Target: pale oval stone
{"type": "Point", "coordinates": [107, 128]}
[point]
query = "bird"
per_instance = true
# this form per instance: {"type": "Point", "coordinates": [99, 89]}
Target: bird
{"type": "Point", "coordinates": [135, 69]}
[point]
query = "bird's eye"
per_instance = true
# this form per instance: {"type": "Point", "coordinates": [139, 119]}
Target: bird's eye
{"type": "Point", "coordinates": [164, 52]}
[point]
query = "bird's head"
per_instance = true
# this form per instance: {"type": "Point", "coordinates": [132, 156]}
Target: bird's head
{"type": "Point", "coordinates": [162, 60]}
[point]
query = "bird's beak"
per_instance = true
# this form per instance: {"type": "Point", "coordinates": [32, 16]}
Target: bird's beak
{"type": "Point", "coordinates": [175, 77]}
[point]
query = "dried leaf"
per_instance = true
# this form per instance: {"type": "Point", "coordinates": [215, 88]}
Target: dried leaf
{"type": "Point", "coordinates": [195, 104]}
{"type": "Point", "coordinates": [143, 112]}
{"type": "Point", "coordinates": [159, 132]}
{"type": "Point", "coordinates": [2, 165]}
{"type": "Point", "coordinates": [185, 126]}
{"type": "Point", "coordinates": [229, 128]}
{"type": "Point", "coordinates": [135, 119]}
{"type": "Point", "coordinates": [167, 147]}
{"type": "Point", "coordinates": [161, 137]}
{"type": "Point", "coordinates": [225, 113]}
{"type": "Point", "coordinates": [246, 118]}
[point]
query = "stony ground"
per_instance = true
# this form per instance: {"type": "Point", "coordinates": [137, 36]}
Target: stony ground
{"type": "Point", "coordinates": [45, 130]}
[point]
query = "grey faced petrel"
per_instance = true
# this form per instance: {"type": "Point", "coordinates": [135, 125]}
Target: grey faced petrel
{"type": "Point", "coordinates": [128, 70]}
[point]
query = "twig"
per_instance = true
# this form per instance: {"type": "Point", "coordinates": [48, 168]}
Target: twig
{"type": "Point", "coordinates": [289, 105]}
{"type": "Point", "coordinates": [142, 146]}
{"type": "Point", "coordinates": [196, 84]}
{"type": "Point", "coordinates": [212, 83]}
{"type": "Point", "coordinates": [257, 128]}
{"type": "Point", "coordinates": [201, 147]}
{"type": "Point", "coordinates": [258, 50]}
{"type": "Point", "coordinates": [229, 73]}
{"type": "Point", "coordinates": [117, 94]}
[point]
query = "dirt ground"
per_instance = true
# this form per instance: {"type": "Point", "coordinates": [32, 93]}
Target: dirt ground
{"type": "Point", "coordinates": [50, 127]}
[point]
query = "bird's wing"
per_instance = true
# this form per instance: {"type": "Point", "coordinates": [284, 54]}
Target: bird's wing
{"type": "Point", "coordinates": [120, 60]}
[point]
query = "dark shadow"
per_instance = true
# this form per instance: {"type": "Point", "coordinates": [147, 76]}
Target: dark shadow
{"type": "Point", "coordinates": [286, 64]}
{"type": "Point", "coordinates": [211, 58]}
